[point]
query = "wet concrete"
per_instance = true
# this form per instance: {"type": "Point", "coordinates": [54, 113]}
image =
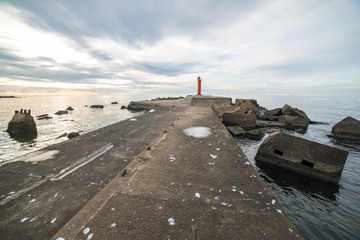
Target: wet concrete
{"type": "Point", "coordinates": [184, 187]}
{"type": "Point", "coordinates": [34, 204]}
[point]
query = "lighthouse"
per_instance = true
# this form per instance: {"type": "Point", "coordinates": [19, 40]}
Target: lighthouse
{"type": "Point", "coordinates": [199, 85]}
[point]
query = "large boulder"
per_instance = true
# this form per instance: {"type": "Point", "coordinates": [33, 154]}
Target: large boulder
{"type": "Point", "coordinates": [273, 114]}
{"type": "Point", "coordinates": [294, 122]}
{"type": "Point", "coordinates": [348, 128]}
{"type": "Point", "coordinates": [288, 110]}
{"type": "Point", "coordinates": [22, 123]}
{"type": "Point", "coordinates": [248, 107]}
{"type": "Point", "coordinates": [139, 106]}
{"type": "Point", "coordinates": [239, 101]}
{"type": "Point", "coordinates": [246, 121]}
{"type": "Point", "coordinates": [303, 156]}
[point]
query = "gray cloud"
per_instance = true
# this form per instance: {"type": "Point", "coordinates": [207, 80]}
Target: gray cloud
{"type": "Point", "coordinates": [131, 21]}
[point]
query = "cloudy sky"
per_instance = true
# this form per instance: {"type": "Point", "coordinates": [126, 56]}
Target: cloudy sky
{"type": "Point", "coordinates": [287, 47]}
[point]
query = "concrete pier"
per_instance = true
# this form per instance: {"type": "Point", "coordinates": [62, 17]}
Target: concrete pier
{"type": "Point", "coordinates": [171, 186]}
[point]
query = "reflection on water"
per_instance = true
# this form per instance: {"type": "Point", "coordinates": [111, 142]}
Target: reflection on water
{"type": "Point", "coordinates": [26, 137]}
{"type": "Point", "coordinates": [48, 130]}
{"type": "Point", "coordinates": [290, 180]}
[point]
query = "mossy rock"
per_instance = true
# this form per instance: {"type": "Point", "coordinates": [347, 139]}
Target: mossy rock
{"type": "Point", "coordinates": [255, 134]}
{"type": "Point", "coordinates": [237, 127]}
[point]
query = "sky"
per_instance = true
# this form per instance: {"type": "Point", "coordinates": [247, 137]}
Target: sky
{"type": "Point", "coordinates": [160, 47]}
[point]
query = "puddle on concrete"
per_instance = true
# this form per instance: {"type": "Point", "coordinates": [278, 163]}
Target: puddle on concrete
{"type": "Point", "coordinates": [38, 156]}
{"type": "Point", "coordinates": [65, 172]}
{"type": "Point", "coordinates": [197, 132]}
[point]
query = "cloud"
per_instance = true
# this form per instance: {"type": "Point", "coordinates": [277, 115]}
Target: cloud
{"type": "Point", "coordinates": [247, 46]}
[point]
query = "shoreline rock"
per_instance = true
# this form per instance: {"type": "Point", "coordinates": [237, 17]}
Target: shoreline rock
{"type": "Point", "coordinates": [348, 129]}
{"type": "Point", "coordinates": [22, 122]}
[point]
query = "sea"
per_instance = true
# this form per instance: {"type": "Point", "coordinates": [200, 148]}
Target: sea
{"type": "Point", "coordinates": [319, 210]}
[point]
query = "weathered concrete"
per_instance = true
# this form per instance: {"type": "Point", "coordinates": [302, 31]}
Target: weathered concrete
{"type": "Point", "coordinates": [248, 107]}
{"type": "Point", "coordinates": [185, 188]}
{"type": "Point", "coordinates": [294, 122]}
{"type": "Point", "coordinates": [239, 101]}
{"type": "Point", "coordinates": [236, 130]}
{"type": "Point", "coordinates": [303, 156]}
{"type": "Point", "coordinates": [246, 121]}
{"type": "Point", "coordinates": [273, 114]}
{"type": "Point", "coordinates": [30, 193]}
{"type": "Point", "coordinates": [126, 181]}
{"type": "Point", "coordinates": [209, 101]}
{"type": "Point", "coordinates": [348, 128]}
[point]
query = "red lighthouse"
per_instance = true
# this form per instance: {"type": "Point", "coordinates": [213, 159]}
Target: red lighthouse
{"type": "Point", "coordinates": [199, 85]}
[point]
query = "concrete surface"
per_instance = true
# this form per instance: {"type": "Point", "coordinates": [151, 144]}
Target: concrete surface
{"type": "Point", "coordinates": [209, 101]}
{"type": "Point", "coordinates": [185, 188]}
{"type": "Point", "coordinates": [34, 205]}
{"type": "Point", "coordinates": [109, 184]}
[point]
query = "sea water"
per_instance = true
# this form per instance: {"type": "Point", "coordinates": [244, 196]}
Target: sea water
{"type": "Point", "coordinates": [319, 210]}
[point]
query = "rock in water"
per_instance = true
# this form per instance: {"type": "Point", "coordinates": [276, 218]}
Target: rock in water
{"type": "Point", "coordinates": [69, 108]}
{"type": "Point", "coordinates": [303, 156]}
{"type": "Point", "coordinates": [294, 122]}
{"type": "Point", "coordinates": [97, 106]}
{"type": "Point", "coordinates": [348, 128]}
{"type": "Point", "coordinates": [248, 107]}
{"type": "Point", "coordinates": [288, 110]}
{"type": "Point", "coordinates": [73, 134]}
{"type": "Point", "coordinates": [273, 114]}
{"type": "Point", "coordinates": [61, 112]}
{"type": "Point", "coordinates": [22, 123]}
{"type": "Point", "coordinates": [246, 121]}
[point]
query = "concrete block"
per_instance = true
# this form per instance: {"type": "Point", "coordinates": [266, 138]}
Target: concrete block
{"type": "Point", "coordinates": [246, 121]}
{"type": "Point", "coordinates": [303, 156]}
{"type": "Point", "coordinates": [210, 101]}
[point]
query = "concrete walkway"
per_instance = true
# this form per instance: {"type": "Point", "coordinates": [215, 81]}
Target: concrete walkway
{"type": "Point", "coordinates": [37, 200]}
{"type": "Point", "coordinates": [183, 188]}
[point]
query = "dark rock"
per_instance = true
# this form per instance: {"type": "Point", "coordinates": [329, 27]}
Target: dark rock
{"type": "Point", "coordinates": [348, 128]}
{"type": "Point", "coordinates": [114, 103]}
{"type": "Point", "coordinates": [97, 106]}
{"type": "Point", "coordinates": [294, 122]}
{"type": "Point", "coordinates": [255, 134]}
{"type": "Point", "coordinates": [61, 112]}
{"type": "Point", "coordinates": [288, 110]}
{"type": "Point", "coordinates": [303, 156]}
{"type": "Point", "coordinates": [236, 130]}
{"type": "Point", "coordinates": [62, 135]}
{"type": "Point", "coordinates": [238, 101]}
{"type": "Point", "coordinates": [73, 134]}
{"type": "Point", "coordinates": [269, 124]}
{"type": "Point", "coordinates": [123, 107]}
{"type": "Point", "coordinates": [43, 116]}
{"type": "Point", "coordinates": [248, 107]}
{"type": "Point", "coordinates": [21, 123]}
{"type": "Point", "coordinates": [301, 131]}
{"type": "Point", "coordinates": [273, 114]}
{"type": "Point", "coordinates": [139, 106]}
{"type": "Point", "coordinates": [246, 121]}
{"type": "Point", "coordinates": [69, 108]}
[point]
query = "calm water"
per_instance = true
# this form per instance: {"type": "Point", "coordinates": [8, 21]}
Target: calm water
{"type": "Point", "coordinates": [81, 118]}
{"type": "Point", "coordinates": [320, 211]}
